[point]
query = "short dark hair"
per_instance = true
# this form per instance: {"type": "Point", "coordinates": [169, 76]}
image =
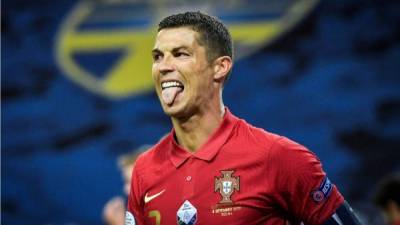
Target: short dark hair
{"type": "Point", "coordinates": [388, 190]}
{"type": "Point", "coordinates": [213, 34]}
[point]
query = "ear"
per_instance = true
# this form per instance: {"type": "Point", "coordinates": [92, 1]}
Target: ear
{"type": "Point", "coordinates": [222, 66]}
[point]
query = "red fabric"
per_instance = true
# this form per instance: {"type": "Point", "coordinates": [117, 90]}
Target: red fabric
{"type": "Point", "coordinates": [276, 180]}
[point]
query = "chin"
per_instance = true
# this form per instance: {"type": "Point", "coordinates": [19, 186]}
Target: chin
{"type": "Point", "coordinates": [177, 111]}
{"type": "Point", "coordinates": [173, 110]}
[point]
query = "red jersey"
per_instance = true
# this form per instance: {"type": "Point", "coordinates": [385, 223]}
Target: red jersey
{"type": "Point", "coordinates": [242, 175]}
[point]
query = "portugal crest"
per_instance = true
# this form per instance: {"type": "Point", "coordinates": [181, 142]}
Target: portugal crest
{"type": "Point", "coordinates": [226, 185]}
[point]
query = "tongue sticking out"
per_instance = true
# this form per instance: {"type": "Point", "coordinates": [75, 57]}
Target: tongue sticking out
{"type": "Point", "coordinates": [169, 94]}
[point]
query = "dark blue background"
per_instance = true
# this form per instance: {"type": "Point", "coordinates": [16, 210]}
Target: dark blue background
{"type": "Point", "coordinates": [332, 84]}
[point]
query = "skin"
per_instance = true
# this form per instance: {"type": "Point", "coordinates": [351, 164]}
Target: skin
{"type": "Point", "coordinates": [127, 176]}
{"type": "Point", "coordinates": [114, 210]}
{"type": "Point", "coordinates": [198, 111]}
{"type": "Point", "coordinates": [392, 213]}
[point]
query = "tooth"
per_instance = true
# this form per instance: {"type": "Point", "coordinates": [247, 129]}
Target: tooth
{"type": "Point", "coordinates": [168, 84]}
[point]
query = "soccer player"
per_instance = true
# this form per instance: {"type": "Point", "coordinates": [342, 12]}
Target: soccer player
{"type": "Point", "coordinates": [114, 209]}
{"type": "Point", "coordinates": [214, 168]}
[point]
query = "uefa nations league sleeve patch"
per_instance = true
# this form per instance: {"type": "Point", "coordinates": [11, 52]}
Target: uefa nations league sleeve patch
{"type": "Point", "coordinates": [129, 219]}
{"type": "Point", "coordinates": [323, 191]}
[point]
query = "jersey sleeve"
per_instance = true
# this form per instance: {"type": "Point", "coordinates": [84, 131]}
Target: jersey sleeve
{"type": "Point", "coordinates": [302, 188]}
{"type": "Point", "coordinates": [134, 214]}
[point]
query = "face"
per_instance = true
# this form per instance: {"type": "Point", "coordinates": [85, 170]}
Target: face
{"type": "Point", "coordinates": [183, 76]}
{"type": "Point", "coordinates": [391, 212]}
{"type": "Point", "coordinates": [127, 176]}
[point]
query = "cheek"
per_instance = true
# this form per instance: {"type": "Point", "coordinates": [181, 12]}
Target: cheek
{"type": "Point", "coordinates": [155, 71]}
{"type": "Point", "coordinates": [204, 79]}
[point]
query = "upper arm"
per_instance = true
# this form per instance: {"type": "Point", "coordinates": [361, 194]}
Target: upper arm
{"type": "Point", "coordinates": [302, 187]}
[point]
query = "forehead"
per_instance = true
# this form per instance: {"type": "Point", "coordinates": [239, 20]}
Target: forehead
{"type": "Point", "coordinates": [170, 38]}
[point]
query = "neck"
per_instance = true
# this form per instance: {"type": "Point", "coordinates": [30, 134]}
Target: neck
{"type": "Point", "coordinates": [193, 132]}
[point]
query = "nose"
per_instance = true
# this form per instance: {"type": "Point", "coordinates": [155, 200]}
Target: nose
{"type": "Point", "coordinates": [165, 65]}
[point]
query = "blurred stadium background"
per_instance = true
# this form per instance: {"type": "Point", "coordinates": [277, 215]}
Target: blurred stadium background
{"type": "Point", "coordinates": [76, 92]}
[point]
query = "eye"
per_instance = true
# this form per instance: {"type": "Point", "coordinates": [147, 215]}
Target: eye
{"type": "Point", "coordinates": [156, 57]}
{"type": "Point", "coordinates": [181, 54]}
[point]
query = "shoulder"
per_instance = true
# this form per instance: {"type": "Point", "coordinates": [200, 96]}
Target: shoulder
{"type": "Point", "coordinates": [277, 147]}
{"type": "Point", "coordinates": [293, 159]}
{"type": "Point", "coordinates": [153, 157]}
{"type": "Point", "coordinates": [273, 143]}
{"type": "Point", "coordinates": [287, 148]}
{"type": "Point", "coordinates": [257, 136]}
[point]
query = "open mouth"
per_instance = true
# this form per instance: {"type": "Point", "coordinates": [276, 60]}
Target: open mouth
{"type": "Point", "coordinates": [170, 84]}
{"type": "Point", "coordinates": [170, 90]}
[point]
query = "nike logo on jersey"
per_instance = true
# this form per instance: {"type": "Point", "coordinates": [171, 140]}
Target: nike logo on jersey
{"type": "Point", "coordinates": [151, 197]}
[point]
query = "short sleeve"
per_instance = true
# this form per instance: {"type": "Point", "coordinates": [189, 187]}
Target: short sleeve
{"type": "Point", "coordinates": [301, 186]}
{"type": "Point", "coordinates": [134, 214]}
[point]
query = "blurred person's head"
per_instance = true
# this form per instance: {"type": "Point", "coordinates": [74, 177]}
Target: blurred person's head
{"type": "Point", "coordinates": [387, 198]}
{"type": "Point", "coordinates": [126, 162]}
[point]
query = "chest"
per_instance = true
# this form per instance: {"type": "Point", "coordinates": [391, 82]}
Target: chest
{"type": "Point", "coordinates": [235, 191]}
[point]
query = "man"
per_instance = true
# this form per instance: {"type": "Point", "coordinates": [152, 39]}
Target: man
{"type": "Point", "coordinates": [387, 198]}
{"type": "Point", "coordinates": [214, 168]}
{"type": "Point", "coordinates": [114, 210]}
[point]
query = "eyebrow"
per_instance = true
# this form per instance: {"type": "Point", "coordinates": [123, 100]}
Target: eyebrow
{"type": "Point", "coordinates": [157, 51]}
